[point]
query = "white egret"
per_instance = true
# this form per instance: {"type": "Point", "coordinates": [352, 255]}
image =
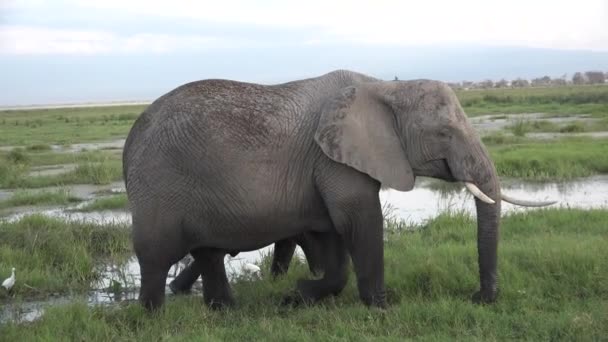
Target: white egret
{"type": "Point", "coordinates": [10, 281]}
{"type": "Point", "coordinates": [252, 269]}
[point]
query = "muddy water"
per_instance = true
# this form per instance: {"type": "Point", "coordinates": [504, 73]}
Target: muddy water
{"type": "Point", "coordinates": [51, 170]}
{"type": "Point", "coordinates": [116, 144]}
{"type": "Point", "coordinates": [428, 199]}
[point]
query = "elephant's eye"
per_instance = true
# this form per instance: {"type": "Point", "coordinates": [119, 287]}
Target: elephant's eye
{"type": "Point", "coordinates": [444, 133]}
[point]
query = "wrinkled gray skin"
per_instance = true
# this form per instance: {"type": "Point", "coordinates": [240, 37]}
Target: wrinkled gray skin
{"type": "Point", "coordinates": [218, 166]}
{"type": "Point", "coordinates": [282, 255]}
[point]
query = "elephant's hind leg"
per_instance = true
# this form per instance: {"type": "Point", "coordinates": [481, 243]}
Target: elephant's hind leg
{"type": "Point", "coordinates": [283, 253]}
{"type": "Point", "coordinates": [335, 274]}
{"type": "Point", "coordinates": [216, 290]}
{"type": "Point", "coordinates": [185, 279]}
{"type": "Point", "coordinates": [155, 253]}
{"type": "Point", "coordinates": [153, 278]}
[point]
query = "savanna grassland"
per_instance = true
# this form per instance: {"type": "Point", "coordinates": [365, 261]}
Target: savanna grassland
{"type": "Point", "coordinates": [554, 286]}
{"type": "Point", "coordinates": [552, 262]}
{"type": "Point", "coordinates": [565, 100]}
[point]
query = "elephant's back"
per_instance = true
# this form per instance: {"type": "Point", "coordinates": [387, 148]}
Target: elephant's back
{"type": "Point", "coordinates": [240, 130]}
{"type": "Point", "coordinates": [221, 113]}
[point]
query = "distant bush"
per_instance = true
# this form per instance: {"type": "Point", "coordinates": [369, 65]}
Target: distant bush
{"type": "Point", "coordinates": [39, 147]}
{"type": "Point", "coordinates": [17, 156]}
{"type": "Point", "coordinates": [127, 117]}
{"type": "Point", "coordinates": [499, 139]}
{"type": "Point", "coordinates": [573, 128]}
{"type": "Point", "coordinates": [520, 128]}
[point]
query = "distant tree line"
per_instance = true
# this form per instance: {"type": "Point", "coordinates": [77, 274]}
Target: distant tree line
{"type": "Point", "coordinates": [587, 77]}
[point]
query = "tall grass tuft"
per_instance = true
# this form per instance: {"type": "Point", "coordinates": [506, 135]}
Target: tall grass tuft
{"type": "Point", "coordinates": [25, 197]}
{"type": "Point", "coordinates": [107, 203]}
{"type": "Point", "coordinates": [52, 255]}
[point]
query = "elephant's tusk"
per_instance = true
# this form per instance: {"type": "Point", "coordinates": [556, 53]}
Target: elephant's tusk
{"type": "Point", "coordinates": [525, 203]}
{"type": "Point", "coordinates": [478, 193]}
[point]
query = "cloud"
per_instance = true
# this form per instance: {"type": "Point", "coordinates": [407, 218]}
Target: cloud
{"type": "Point", "coordinates": [559, 24]}
{"type": "Point", "coordinates": [24, 40]}
{"type": "Point", "coordinates": [541, 23]}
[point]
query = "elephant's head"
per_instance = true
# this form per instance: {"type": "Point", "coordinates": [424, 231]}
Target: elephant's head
{"type": "Point", "coordinates": [397, 130]}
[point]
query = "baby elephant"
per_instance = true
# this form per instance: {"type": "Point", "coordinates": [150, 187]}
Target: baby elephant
{"type": "Point", "coordinates": [282, 255]}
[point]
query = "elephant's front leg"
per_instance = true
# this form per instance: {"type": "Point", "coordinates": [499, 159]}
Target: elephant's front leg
{"type": "Point", "coordinates": [366, 247]}
{"type": "Point", "coordinates": [362, 232]}
{"type": "Point", "coordinates": [354, 207]}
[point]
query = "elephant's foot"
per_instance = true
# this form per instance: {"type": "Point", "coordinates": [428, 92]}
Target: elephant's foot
{"type": "Point", "coordinates": [220, 302]}
{"type": "Point", "coordinates": [177, 290]}
{"type": "Point", "coordinates": [311, 291]}
{"type": "Point", "coordinates": [484, 297]}
{"type": "Point", "coordinates": [378, 299]}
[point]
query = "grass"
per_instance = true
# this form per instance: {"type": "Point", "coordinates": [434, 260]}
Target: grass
{"type": "Point", "coordinates": [39, 147]}
{"type": "Point", "coordinates": [552, 267]}
{"type": "Point", "coordinates": [555, 100]}
{"type": "Point", "coordinates": [41, 127]}
{"type": "Point", "coordinates": [53, 256]}
{"type": "Point", "coordinates": [57, 158]}
{"type": "Point", "coordinates": [521, 127]}
{"type": "Point", "coordinates": [92, 168]}
{"type": "Point", "coordinates": [24, 197]}
{"type": "Point", "coordinates": [558, 160]}
{"type": "Point", "coordinates": [107, 203]}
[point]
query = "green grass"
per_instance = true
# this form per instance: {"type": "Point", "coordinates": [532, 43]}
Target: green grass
{"type": "Point", "coordinates": [552, 269]}
{"type": "Point", "coordinates": [557, 160]}
{"type": "Point", "coordinates": [52, 256]}
{"type": "Point", "coordinates": [24, 197]}
{"type": "Point", "coordinates": [66, 125]}
{"type": "Point", "coordinates": [500, 138]}
{"type": "Point", "coordinates": [56, 158]}
{"type": "Point", "coordinates": [522, 127]}
{"type": "Point", "coordinates": [95, 168]}
{"type": "Point", "coordinates": [555, 100]}
{"type": "Point", "coordinates": [39, 147]}
{"type": "Point", "coordinates": [107, 203]}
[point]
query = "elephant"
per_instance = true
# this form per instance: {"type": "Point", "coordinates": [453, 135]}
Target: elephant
{"type": "Point", "coordinates": [220, 165]}
{"type": "Point", "coordinates": [282, 255]}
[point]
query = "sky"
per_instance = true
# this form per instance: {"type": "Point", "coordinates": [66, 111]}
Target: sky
{"type": "Point", "coordinates": [88, 50]}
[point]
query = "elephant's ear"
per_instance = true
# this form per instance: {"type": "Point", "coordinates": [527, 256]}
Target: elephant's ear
{"type": "Point", "coordinates": [357, 129]}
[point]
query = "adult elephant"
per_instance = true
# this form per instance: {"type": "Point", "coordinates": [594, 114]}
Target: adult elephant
{"type": "Point", "coordinates": [281, 258]}
{"type": "Point", "coordinates": [217, 165]}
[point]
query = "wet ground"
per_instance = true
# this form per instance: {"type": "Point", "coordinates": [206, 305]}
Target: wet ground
{"type": "Point", "coordinates": [488, 124]}
{"type": "Point", "coordinates": [116, 144]}
{"type": "Point", "coordinates": [484, 124]}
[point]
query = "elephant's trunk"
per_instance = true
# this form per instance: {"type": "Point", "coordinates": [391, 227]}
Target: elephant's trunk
{"type": "Point", "coordinates": [488, 224]}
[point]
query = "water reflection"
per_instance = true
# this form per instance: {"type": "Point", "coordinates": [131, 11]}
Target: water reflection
{"type": "Point", "coordinates": [432, 197]}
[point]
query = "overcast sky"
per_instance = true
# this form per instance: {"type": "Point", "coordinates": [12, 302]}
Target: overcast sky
{"type": "Point", "coordinates": [38, 34]}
